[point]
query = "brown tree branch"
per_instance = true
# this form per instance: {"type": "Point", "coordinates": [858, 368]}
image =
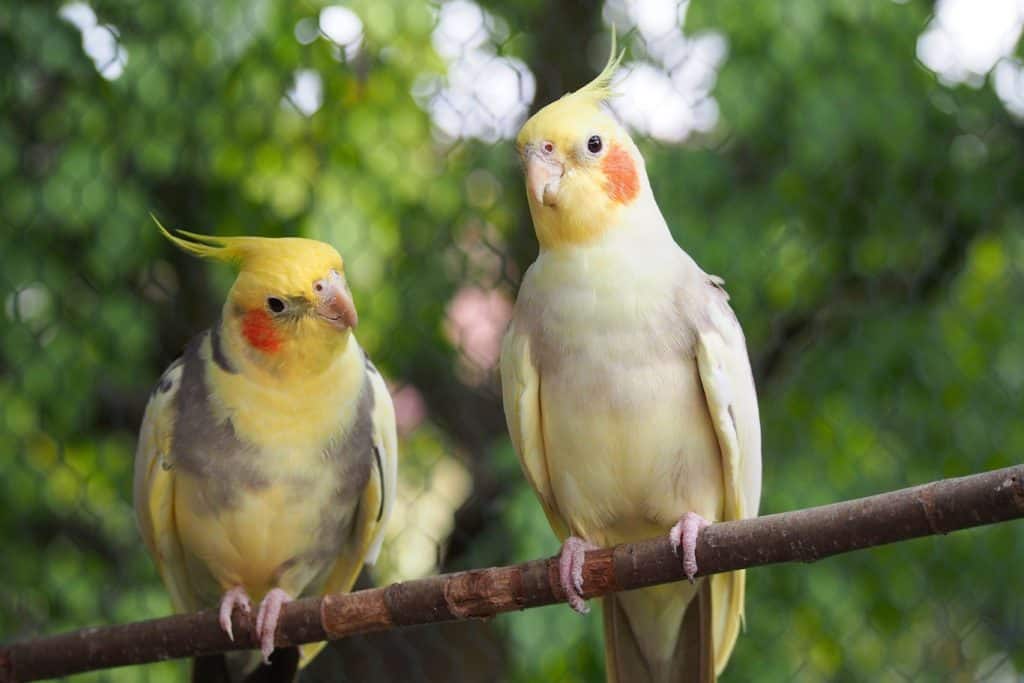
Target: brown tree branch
{"type": "Point", "coordinates": [800, 536]}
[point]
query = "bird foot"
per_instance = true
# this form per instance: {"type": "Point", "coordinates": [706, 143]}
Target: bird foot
{"type": "Point", "coordinates": [235, 596]}
{"type": "Point", "coordinates": [685, 533]}
{"type": "Point", "coordinates": [266, 620]}
{"type": "Point", "coordinates": [570, 571]}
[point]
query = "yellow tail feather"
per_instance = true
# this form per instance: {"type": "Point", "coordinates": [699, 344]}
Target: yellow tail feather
{"type": "Point", "coordinates": [727, 594]}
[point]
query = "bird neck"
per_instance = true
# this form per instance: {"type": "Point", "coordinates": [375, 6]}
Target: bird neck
{"type": "Point", "coordinates": [285, 407]}
{"type": "Point", "coordinates": [598, 223]}
{"type": "Point", "coordinates": [558, 228]}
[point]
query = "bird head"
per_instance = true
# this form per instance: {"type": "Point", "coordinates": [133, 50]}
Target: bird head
{"type": "Point", "coordinates": [290, 302]}
{"type": "Point", "coordinates": [582, 169]}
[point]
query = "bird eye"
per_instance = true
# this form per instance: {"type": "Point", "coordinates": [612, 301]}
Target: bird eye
{"type": "Point", "coordinates": [274, 304]}
{"type": "Point", "coordinates": [594, 144]}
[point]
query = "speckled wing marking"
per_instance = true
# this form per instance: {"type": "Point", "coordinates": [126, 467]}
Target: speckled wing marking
{"type": "Point", "coordinates": [153, 488]}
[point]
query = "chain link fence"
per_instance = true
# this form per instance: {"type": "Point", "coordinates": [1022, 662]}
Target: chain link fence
{"type": "Point", "coordinates": [853, 170]}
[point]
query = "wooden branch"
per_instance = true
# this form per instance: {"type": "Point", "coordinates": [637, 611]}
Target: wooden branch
{"type": "Point", "coordinates": [800, 536]}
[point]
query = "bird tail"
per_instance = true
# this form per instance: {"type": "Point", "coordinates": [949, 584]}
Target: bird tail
{"type": "Point", "coordinates": [210, 669]}
{"type": "Point", "coordinates": [628, 659]}
{"type": "Point", "coordinates": [244, 667]}
{"type": "Point", "coordinates": [727, 595]}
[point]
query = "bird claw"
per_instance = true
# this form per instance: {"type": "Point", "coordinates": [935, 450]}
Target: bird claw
{"type": "Point", "coordinates": [235, 596]}
{"type": "Point", "coordinates": [685, 534]}
{"type": "Point", "coordinates": [266, 620]}
{"type": "Point", "coordinates": [570, 571]}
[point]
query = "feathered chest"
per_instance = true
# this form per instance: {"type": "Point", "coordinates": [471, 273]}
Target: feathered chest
{"type": "Point", "coordinates": [235, 442]}
{"type": "Point", "coordinates": [617, 373]}
{"type": "Point", "coordinates": [604, 314]}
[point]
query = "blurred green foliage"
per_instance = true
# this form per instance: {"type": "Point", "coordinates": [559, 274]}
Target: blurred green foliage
{"type": "Point", "coordinates": [868, 220]}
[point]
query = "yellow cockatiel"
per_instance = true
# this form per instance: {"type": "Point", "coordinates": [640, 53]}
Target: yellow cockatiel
{"type": "Point", "coordinates": [267, 459]}
{"type": "Point", "coordinates": [627, 388]}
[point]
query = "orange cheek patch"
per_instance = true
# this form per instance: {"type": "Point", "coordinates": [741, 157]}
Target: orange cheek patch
{"type": "Point", "coordinates": [259, 331]}
{"type": "Point", "coordinates": [621, 180]}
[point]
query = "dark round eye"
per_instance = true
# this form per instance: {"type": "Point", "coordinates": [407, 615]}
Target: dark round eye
{"type": "Point", "coordinates": [594, 144]}
{"type": "Point", "coordinates": [274, 304]}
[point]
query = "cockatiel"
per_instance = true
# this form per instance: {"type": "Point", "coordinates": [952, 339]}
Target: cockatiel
{"type": "Point", "coordinates": [267, 459]}
{"type": "Point", "coordinates": [627, 388]}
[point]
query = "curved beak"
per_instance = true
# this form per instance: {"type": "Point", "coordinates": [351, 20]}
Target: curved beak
{"type": "Point", "coordinates": [334, 302]}
{"type": "Point", "coordinates": [543, 176]}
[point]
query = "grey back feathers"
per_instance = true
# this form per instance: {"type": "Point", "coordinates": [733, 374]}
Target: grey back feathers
{"type": "Point", "coordinates": [205, 447]}
{"type": "Point", "coordinates": [352, 459]}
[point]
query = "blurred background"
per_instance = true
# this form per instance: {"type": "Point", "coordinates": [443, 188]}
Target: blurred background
{"type": "Point", "coordinates": [853, 170]}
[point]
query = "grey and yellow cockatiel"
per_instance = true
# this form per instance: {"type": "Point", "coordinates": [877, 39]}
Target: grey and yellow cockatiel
{"type": "Point", "coordinates": [267, 459]}
{"type": "Point", "coordinates": [627, 388]}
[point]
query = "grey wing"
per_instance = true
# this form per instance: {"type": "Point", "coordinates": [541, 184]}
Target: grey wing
{"type": "Point", "coordinates": [378, 494]}
{"type": "Point", "coordinates": [153, 488]}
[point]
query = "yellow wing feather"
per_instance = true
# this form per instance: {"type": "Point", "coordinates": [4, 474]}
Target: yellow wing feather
{"type": "Point", "coordinates": [520, 388]}
{"type": "Point", "coordinates": [727, 590]}
{"type": "Point", "coordinates": [154, 491]}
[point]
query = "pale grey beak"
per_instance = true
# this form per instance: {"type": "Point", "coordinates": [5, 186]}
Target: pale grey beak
{"type": "Point", "coordinates": [334, 301]}
{"type": "Point", "coordinates": [543, 175]}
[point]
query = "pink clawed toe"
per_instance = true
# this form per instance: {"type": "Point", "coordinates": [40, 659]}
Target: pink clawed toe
{"type": "Point", "coordinates": [685, 534]}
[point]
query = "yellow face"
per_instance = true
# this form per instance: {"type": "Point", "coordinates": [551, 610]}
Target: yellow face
{"type": "Point", "coordinates": [289, 306]}
{"type": "Point", "coordinates": [291, 292]}
{"type": "Point", "coordinates": [581, 167]}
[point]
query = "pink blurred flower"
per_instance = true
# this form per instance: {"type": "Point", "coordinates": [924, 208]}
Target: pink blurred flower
{"type": "Point", "coordinates": [410, 409]}
{"type": "Point", "coordinates": [476, 323]}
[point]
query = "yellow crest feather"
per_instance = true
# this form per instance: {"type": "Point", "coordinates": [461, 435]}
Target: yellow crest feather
{"type": "Point", "coordinates": [293, 261]}
{"type": "Point", "coordinates": [600, 89]}
{"type": "Point", "coordinates": [221, 248]}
